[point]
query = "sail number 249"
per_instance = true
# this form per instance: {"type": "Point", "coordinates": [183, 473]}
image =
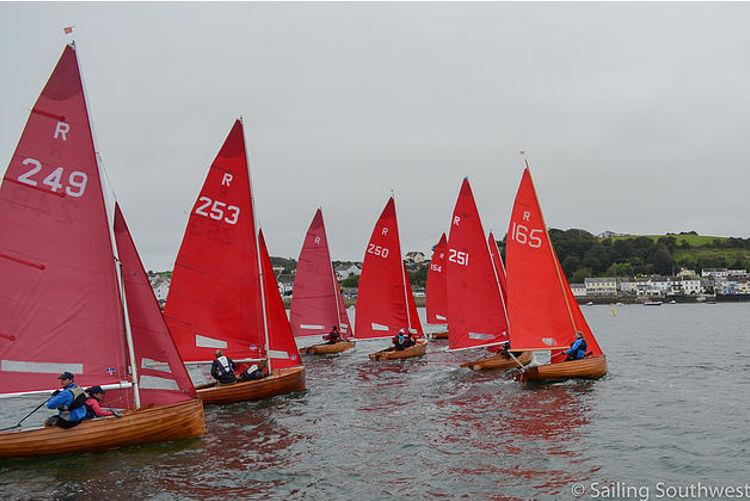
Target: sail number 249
{"type": "Point", "coordinates": [217, 210]}
{"type": "Point", "coordinates": [524, 236]}
{"type": "Point", "coordinates": [76, 180]}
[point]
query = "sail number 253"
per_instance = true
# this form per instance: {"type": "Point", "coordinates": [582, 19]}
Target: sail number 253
{"type": "Point", "coordinates": [217, 210]}
{"type": "Point", "coordinates": [76, 180]}
{"type": "Point", "coordinates": [524, 236]}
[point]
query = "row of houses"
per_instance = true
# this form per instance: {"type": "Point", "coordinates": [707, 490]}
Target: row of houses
{"type": "Point", "coordinates": [685, 283]}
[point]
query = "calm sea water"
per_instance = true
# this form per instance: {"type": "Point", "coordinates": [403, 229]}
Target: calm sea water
{"type": "Point", "coordinates": [673, 409]}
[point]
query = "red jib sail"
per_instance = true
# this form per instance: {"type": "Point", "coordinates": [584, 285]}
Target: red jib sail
{"type": "Point", "coordinates": [382, 298]}
{"type": "Point", "coordinates": [436, 290]}
{"type": "Point", "coordinates": [497, 261]}
{"type": "Point", "coordinates": [543, 314]}
{"type": "Point", "coordinates": [476, 310]}
{"type": "Point", "coordinates": [162, 378]}
{"type": "Point", "coordinates": [317, 304]}
{"type": "Point", "coordinates": [60, 307]}
{"type": "Point", "coordinates": [282, 350]}
{"type": "Point", "coordinates": [214, 299]}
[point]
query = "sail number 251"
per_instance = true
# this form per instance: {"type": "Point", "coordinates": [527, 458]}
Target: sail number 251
{"type": "Point", "coordinates": [216, 210]}
{"type": "Point", "coordinates": [524, 236]}
{"type": "Point", "coordinates": [458, 257]}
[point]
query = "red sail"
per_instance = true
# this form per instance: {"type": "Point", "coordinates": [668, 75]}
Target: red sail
{"type": "Point", "coordinates": [162, 378]}
{"type": "Point", "coordinates": [415, 325]}
{"type": "Point", "coordinates": [214, 299]}
{"type": "Point", "coordinates": [540, 304]}
{"type": "Point", "coordinates": [60, 307]}
{"type": "Point", "coordinates": [282, 350]}
{"type": "Point", "coordinates": [381, 299]}
{"type": "Point", "coordinates": [316, 302]}
{"type": "Point", "coordinates": [497, 261]}
{"type": "Point", "coordinates": [436, 290]}
{"type": "Point", "coordinates": [476, 310]}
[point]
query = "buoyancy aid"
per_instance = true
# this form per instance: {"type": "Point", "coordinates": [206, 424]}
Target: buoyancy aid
{"type": "Point", "coordinates": [79, 400]}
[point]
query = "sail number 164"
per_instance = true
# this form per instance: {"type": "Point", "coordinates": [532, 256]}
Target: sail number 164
{"type": "Point", "coordinates": [524, 236]}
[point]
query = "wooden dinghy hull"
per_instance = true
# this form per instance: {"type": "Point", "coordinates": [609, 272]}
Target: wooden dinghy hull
{"type": "Point", "coordinates": [417, 350]}
{"type": "Point", "coordinates": [155, 424]}
{"type": "Point", "coordinates": [328, 349]}
{"type": "Point", "coordinates": [440, 335]}
{"type": "Point", "coordinates": [588, 368]}
{"type": "Point", "coordinates": [497, 362]}
{"type": "Point", "coordinates": [281, 382]}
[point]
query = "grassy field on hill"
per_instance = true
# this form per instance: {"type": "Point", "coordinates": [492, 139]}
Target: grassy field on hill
{"type": "Point", "coordinates": [690, 239]}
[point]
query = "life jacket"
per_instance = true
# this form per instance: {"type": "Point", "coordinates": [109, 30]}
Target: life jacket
{"type": "Point", "coordinates": [79, 400]}
{"type": "Point", "coordinates": [224, 366]}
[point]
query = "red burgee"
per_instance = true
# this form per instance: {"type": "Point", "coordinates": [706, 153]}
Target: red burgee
{"type": "Point", "coordinates": [476, 311]}
{"type": "Point", "coordinates": [381, 298]}
{"type": "Point", "coordinates": [540, 304]}
{"type": "Point", "coordinates": [282, 350]}
{"type": "Point", "coordinates": [497, 262]}
{"type": "Point", "coordinates": [162, 376]}
{"type": "Point", "coordinates": [317, 304]}
{"type": "Point", "coordinates": [435, 292]}
{"type": "Point", "coordinates": [214, 299]}
{"type": "Point", "coordinates": [60, 307]}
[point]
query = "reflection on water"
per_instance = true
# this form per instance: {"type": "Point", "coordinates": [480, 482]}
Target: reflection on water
{"type": "Point", "coordinates": [425, 428]}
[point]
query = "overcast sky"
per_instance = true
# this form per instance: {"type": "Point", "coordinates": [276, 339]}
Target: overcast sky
{"type": "Point", "coordinates": [635, 117]}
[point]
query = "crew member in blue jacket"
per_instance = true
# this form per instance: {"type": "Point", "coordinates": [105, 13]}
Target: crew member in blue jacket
{"type": "Point", "coordinates": [578, 348]}
{"type": "Point", "coordinates": [70, 401]}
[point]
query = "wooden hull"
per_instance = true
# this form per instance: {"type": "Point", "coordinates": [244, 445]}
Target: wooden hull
{"type": "Point", "coordinates": [156, 424]}
{"type": "Point", "coordinates": [588, 368]}
{"type": "Point", "coordinates": [328, 349]}
{"type": "Point", "coordinates": [497, 362]}
{"type": "Point", "coordinates": [440, 335]}
{"type": "Point", "coordinates": [282, 381]}
{"type": "Point", "coordinates": [417, 350]}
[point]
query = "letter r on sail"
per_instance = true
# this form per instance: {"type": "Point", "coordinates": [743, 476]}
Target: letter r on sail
{"type": "Point", "coordinates": [61, 130]}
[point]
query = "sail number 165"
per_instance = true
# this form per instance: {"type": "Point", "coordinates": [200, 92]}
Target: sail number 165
{"type": "Point", "coordinates": [524, 236]}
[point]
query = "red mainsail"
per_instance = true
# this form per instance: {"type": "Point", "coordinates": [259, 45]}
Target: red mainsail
{"type": "Point", "coordinates": [214, 299]}
{"type": "Point", "coordinates": [60, 308]}
{"type": "Point", "coordinates": [382, 299]}
{"type": "Point", "coordinates": [282, 350]}
{"type": "Point", "coordinates": [543, 313]}
{"type": "Point", "coordinates": [476, 310]}
{"type": "Point", "coordinates": [436, 289]}
{"type": "Point", "coordinates": [497, 261]}
{"type": "Point", "coordinates": [162, 377]}
{"type": "Point", "coordinates": [317, 304]}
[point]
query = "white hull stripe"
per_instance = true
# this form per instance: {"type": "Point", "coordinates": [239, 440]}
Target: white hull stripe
{"type": "Point", "coordinates": [155, 365]}
{"type": "Point", "coordinates": [209, 342]}
{"type": "Point", "coordinates": [311, 326]}
{"type": "Point", "coordinates": [44, 367]}
{"type": "Point", "coordinates": [158, 383]}
{"type": "Point", "coordinates": [378, 327]}
{"type": "Point", "coordinates": [483, 337]}
{"type": "Point", "coordinates": [440, 317]}
{"type": "Point", "coordinates": [278, 354]}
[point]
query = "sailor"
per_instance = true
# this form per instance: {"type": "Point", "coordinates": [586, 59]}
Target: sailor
{"type": "Point", "coordinates": [222, 369]}
{"type": "Point", "coordinates": [578, 348]}
{"type": "Point", "coordinates": [93, 409]}
{"type": "Point", "coordinates": [410, 340]}
{"type": "Point", "coordinates": [333, 337]}
{"type": "Point", "coordinates": [254, 372]}
{"type": "Point", "coordinates": [504, 350]}
{"type": "Point", "coordinates": [69, 401]}
{"type": "Point", "coordinates": [399, 340]}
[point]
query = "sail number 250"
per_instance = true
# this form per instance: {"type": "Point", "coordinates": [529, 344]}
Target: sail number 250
{"type": "Point", "coordinates": [377, 250]}
{"type": "Point", "coordinates": [524, 236]}
{"type": "Point", "coordinates": [216, 210]}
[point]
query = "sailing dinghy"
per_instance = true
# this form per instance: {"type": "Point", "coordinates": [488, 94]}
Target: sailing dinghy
{"type": "Point", "coordinates": [317, 303]}
{"type": "Point", "coordinates": [435, 291]}
{"type": "Point", "coordinates": [222, 296]}
{"type": "Point", "coordinates": [74, 296]}
{"type": "Point", "coordinates": [385, 303]}
{"type": "Point", "coordinates": [542, 310]}
{"type": "Point", "coordinates": [477, 315]}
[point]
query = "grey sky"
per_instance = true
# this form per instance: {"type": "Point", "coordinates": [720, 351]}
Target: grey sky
{"type": "Point", "coordinates": [636, 117]}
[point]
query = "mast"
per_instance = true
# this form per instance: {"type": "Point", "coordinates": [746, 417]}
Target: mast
{"type": "Point", "coordinates": [552, 249]}
{"type": "Point", "coordinates": [110, 223]}
{"type": "Point", "coordinates": [334, 282]}
{"type": "Point", "coordinates": [401, 264]}
{"type": "Point", "coordinates": [257, 250]}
